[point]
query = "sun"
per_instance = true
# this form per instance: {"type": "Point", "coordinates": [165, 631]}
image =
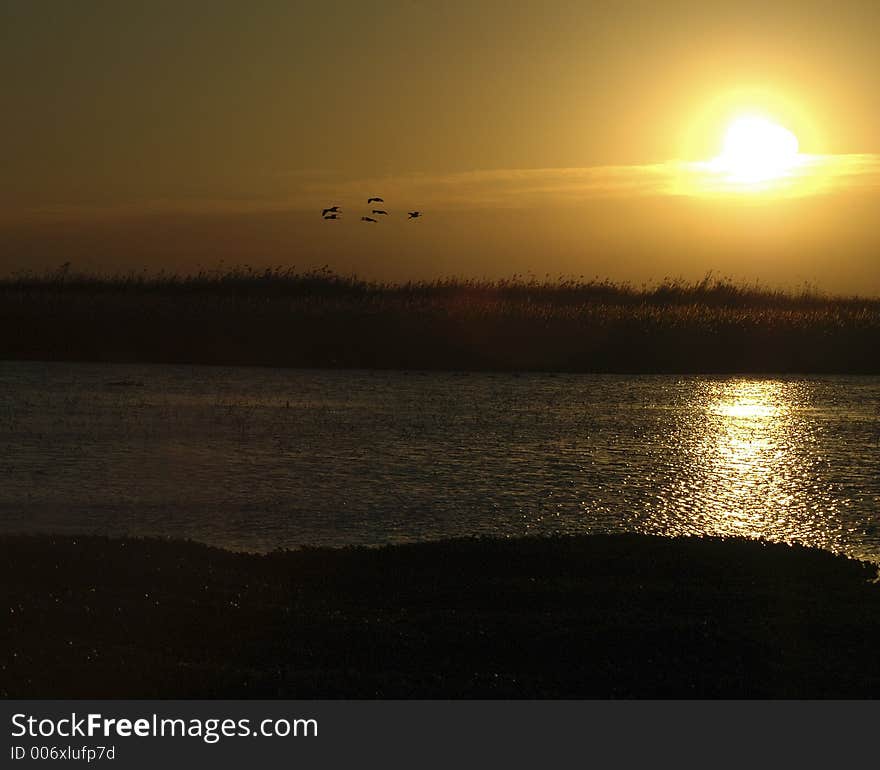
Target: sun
{"type": "Point", "coordinates": [756, 151]}
{"type": "Point", "coordinates": [752, 144]}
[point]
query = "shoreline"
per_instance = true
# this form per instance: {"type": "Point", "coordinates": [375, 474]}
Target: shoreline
{"type": "Point", "coordinates": [766, 374]}
{"type": "Point", "coordinates": [596, 616]}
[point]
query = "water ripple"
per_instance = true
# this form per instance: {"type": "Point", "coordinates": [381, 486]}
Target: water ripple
{"type": "Point", "coordinates": [258, 459]}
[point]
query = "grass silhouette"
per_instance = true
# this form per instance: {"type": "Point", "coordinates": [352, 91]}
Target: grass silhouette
{"type": "Point", "coordinates": [282, 317]}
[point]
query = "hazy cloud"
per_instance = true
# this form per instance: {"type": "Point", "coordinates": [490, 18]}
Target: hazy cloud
{"type": "Point", "coordinates": [498, 189]}
{"type": "Point", "coordinates": [524, 188]}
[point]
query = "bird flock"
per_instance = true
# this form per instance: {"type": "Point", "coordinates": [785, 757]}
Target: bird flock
{"type": "Point", "coordinates": [334, 212]}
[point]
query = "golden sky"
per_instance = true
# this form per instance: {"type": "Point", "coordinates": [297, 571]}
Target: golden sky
{"type": "Point", "coordinates": [561, 137]}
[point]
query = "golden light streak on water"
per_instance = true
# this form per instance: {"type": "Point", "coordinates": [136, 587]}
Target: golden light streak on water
{"type": "Point", "coordinates": [745, 450]}
{"type": "Point", "coordinates": [753, 458]}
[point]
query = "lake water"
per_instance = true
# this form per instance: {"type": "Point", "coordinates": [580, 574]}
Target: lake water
{"type": "Point", "coordinates": [258, 459]}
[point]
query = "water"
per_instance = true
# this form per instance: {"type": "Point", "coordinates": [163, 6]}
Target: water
{"type": "Point", "coordinates": [257, 459]}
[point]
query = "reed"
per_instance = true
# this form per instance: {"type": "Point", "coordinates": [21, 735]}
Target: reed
{"type": "Point", "coordinates": [284, 317]}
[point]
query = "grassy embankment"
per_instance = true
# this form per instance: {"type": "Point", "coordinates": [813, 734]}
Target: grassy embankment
{"type": "Point", "coordinates": [599, 616]}
{"type": "Point", "coordinates": [319, 319]}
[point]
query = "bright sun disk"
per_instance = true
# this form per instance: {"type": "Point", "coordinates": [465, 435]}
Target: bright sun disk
{"type": "Point", "coordinates": [756, 150]}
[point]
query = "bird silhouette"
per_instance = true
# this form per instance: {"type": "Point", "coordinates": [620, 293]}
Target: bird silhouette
{"type": "Point", "coordinates": [414, 214]}
{"type": "Point", "coordinates": [368, 219]}
{"type": "Point", "coordinates": [332, 216]}
{"type": "Point", "coordinates": [332, 209]}
{"type": "Point", "coordinates": [379, 211]}
{"type": "Point", "coordinates": [375, 200]}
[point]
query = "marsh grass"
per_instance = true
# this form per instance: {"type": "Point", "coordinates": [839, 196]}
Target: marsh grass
{"type": "Point", "coordinates": [283, 317]}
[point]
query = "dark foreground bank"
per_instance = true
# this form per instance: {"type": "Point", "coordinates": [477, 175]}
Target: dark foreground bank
{"type": "Point", "coordinates": [598, 616]}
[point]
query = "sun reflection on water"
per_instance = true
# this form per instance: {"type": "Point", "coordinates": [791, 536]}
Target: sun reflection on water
{"type": "Point", "coordinates": [752, 458]}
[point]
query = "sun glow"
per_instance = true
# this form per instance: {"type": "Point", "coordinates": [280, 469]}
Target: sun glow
{"type": "Point", "coordinates": [757, 156]}
{"type": "Point", "coordinates": [755, 151]}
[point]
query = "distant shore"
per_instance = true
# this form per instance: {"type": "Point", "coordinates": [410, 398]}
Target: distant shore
{"type": "Point", "coordinates": [321, 320]}
{"type": "Point", "coordinates": [616, 616]}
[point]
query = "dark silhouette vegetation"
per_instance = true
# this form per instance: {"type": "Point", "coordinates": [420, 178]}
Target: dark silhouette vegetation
{"type": "Point", "coordinates": [594, 616]}
{"type": "Point", "coordinates": [281, 317]}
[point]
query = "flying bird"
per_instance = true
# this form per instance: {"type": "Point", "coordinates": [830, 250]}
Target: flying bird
{"type": "Point", "coordinates": [414, 214]}
{"type": "Point", "coordinates": [332, 209]}
{"type": "Point", "coordinates": [368, 219]}
{"type": "Point", "coordinates": [379, 211]}
{"type": "Point", "coordinates": [332, 216]}
{"type": "Point", "coordinates": [375, 200]}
